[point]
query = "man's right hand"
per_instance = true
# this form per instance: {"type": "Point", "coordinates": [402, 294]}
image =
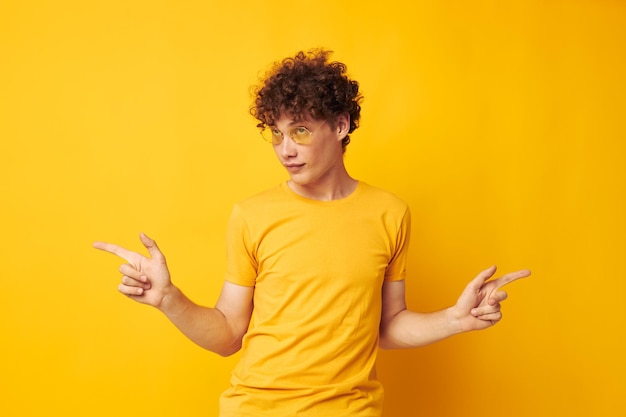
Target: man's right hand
{"type": "Point", "coordinates": [145, 280]}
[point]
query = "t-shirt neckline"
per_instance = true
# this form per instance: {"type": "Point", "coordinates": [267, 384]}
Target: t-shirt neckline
{"type": "Point", "coordinates": [357, 190]}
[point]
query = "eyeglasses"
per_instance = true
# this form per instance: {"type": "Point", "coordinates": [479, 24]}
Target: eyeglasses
{"type": "Point", "coordinates": [299, 134]}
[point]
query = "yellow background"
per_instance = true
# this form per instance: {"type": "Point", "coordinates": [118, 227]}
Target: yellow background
{"type": "Point", "coordinates": [501, 123]}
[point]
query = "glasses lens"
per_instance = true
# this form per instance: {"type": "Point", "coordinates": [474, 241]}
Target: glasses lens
{"type": "Point", "coordinates": [272, 135]}
{"type": "Point", "coordinates": [301, 135]}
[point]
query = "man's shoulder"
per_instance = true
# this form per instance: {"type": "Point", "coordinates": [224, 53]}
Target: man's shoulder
{"type": "Point", "coordinates": [381, 195]}
{"type": "Point", "coordinates": [266, 196]}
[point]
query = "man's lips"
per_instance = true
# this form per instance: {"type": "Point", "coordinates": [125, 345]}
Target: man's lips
{"type": "Point", "coordinates": [293, 167]}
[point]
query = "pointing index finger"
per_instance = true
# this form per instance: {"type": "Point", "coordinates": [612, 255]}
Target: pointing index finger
{"type": "Point", "coordinates": [115, 250]}
{"type": "Point", "coordinates": [510, 277]}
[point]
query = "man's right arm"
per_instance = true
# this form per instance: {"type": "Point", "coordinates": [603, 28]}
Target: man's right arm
{"type": "Point", "coordinates": [147, 281]}
{"type": "Point", "coordinates": [218, 329]}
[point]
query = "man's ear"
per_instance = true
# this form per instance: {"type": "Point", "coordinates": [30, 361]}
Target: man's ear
{"type": "Point", "coordinates": [342, 125]}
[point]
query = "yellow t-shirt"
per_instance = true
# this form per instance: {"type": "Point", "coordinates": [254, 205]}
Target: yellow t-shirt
{"type": "Point", "coordinates": [318, 269]}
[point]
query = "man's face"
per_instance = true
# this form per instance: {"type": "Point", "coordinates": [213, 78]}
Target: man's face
{"type": "Point", "coordinates": [316, 164]}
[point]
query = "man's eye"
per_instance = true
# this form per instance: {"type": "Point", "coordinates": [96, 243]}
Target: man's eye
{"type": "Point", "coordinates": [276, 132]}
{"type": "Point", "coordinates": [301, 130]}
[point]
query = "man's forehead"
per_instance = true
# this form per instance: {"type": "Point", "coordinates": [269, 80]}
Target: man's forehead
{"type": "Point", "coordinates": [288, 119]}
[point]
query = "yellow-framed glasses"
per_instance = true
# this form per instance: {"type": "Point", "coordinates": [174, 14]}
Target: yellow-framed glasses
{"type": "Point", "coordinates": [299, 134]}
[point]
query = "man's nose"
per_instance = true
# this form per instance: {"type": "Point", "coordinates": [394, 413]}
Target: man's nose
{"type": "Point", "coordinates": [287, 147]}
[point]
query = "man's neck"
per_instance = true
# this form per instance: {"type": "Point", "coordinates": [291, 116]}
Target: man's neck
{"type": "Point", "coordinates": [332, 190]}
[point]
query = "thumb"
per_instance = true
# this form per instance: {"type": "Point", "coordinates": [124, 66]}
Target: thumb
{"type": "Point", "coordinates": [153, 249]}
{"type": "Point", "coordinates": [477, 283]}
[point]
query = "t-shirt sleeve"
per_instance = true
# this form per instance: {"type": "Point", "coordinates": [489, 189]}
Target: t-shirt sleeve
{"type": "Point", "coordinates": [241, 263]}
{"type": "Point", "coordinates": [396, 270]}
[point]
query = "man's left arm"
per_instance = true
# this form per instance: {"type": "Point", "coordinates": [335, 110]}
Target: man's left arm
{"type": "Point", "coordinates": [477, 308]}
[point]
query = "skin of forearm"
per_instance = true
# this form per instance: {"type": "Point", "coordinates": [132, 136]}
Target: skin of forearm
{"type": "Point", "coordinates": [409, 329]}
{"type": "Point", "coordinates": [207, 327]}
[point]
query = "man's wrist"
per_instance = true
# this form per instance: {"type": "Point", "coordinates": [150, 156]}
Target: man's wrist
{"type": "Point", "coordinates": [454, 319]}
{"type": "Point", "coordinates": [170, 300]}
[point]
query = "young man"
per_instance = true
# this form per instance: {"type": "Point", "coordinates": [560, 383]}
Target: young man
{"type": "Point", "coordinates": [316, 266]}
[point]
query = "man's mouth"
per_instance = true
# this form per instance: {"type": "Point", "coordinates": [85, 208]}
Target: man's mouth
{"type": "Point", "coordinates": [293, 167]}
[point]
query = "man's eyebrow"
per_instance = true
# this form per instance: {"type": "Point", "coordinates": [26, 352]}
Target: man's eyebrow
{"type": "Point", "coordinates": [301, 122]}
{"type": "Point", "coordinates": [295, 122]}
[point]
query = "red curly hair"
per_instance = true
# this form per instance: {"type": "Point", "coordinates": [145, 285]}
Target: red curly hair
{"type": "Point", "coordinates": [307, 84]}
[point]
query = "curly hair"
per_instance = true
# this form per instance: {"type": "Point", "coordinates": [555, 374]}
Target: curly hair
{"type": "Point", "coordinates": [307, 84]}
